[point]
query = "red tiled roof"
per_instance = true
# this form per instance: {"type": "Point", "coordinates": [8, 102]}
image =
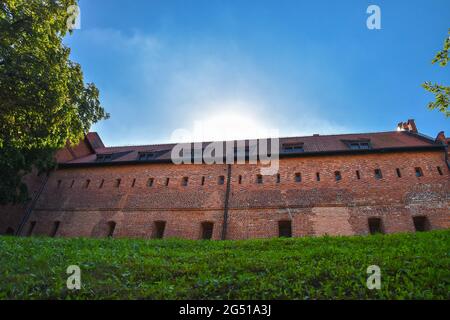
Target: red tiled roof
{"type": "Point", "coordinates": [311, 145]}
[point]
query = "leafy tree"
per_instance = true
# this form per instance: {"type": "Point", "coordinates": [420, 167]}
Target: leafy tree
{"type": "Point", "coordinates": [44, 102]}
{"type": "Point", "coordinates": [441, 92]}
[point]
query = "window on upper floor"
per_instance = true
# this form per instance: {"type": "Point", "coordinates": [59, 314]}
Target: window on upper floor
{"type": "Point", "coordinates": [337, 176]}
{"type": "Point", "coordinates": [221, 180]}
{"type": "Point", "coordinates": [298, 177]}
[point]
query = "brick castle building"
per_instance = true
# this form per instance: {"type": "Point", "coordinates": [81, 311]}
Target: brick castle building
{"type": "Point", "coordinates": [347, 184]}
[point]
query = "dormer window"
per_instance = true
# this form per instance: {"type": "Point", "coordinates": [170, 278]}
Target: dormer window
{"type": "Point", "coordinates": [104, 157]}
{"type": "Point", "coordinates": [359, 145]}
{"type": "Point", "coordinates": [293, 147]}
{"type": "Point", "coordinates": [143, 156]}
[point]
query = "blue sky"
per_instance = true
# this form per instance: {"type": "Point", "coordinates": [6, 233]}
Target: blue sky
{"type": "Point", "coordinates": [240, 67]}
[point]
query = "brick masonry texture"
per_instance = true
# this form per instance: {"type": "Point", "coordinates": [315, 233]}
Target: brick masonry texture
{"type": "Point", "coordinates": [85, 200]}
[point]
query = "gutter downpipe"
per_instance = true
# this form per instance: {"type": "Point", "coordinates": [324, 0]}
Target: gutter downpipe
{"type": "Point", "coordinates": [227, 198]}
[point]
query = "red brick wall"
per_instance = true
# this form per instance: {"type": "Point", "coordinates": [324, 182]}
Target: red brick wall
{"type": "Point", "coordinates": [315, 207]}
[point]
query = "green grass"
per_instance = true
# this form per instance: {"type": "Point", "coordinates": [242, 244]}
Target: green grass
{"type": "Point", "coordinates": [413, 266]}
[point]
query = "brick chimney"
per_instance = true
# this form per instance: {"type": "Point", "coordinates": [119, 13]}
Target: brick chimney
{"type": "Point", "coordinates": [410, 126]}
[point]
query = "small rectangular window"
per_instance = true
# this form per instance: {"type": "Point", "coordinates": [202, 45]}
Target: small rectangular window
{"type": "Point", "coordinates": [184, 181]}
{"type": "Point", "coordinates": [298, 177]}
{"type": "Point", "coordinates": [167, 182]}
{"type": "Point", "coordinates": [150, 182]}
{"type": "Point", "coordinates": [278, 178]}
{"type": "Point", "coordinates": [102, 183]}
{"type": "Point", "coordinates": [378, 174]}
{"type": "Point", "coordinates": [240, 179]}
{"type": "Point", "coordinates": [117, 183]}
{"type": "Point", "coordinates": [418, 171]}
{"type": "Point", "coordinates": [203, 181]}
{"type": "Point", "coordinates": [293, 147]}
{"type": "Point", "coordinates": [358, 175]}
{"type": "Point", "coordinates": [421, 223]}
{"type": "Point", "coordinates": [259, 179]}
{"type": "Point", "coordinates": [337, 175]}
{"type": "Point", "coordinates": [375, 226]}
{"type": "Point", "coordinates": [439, 171]}
{"type": "Point", "coordinates": [399, 174]}
{"type": "Point", "coordinates": [317, 176]}
{"type": "Point", "coordinates": [221, 180]}
{"type": "Point", "coordinates": [158, 232]}
{"type": "Point", "coordinates": [285, 229]}
{"type": "Point", "coordinates": [207, 230]}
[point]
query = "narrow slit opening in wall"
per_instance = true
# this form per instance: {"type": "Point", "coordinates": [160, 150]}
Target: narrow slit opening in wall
{"type": "Point", "coordinates": [317, 176]}
{"type": "Point", "coordinates": [55, 228]}
{"type": "Point", "coordinates": [111, 229]}
{"type": "Point", "coordinates": [421, 223]}
{"type": "Point", "coordinates": [240, 179]}
{"type": "Point", "coordinates": [167, 182]}
{"type": "Point", "coordinates": [203, 181]}
{"type": "Point", "coordinates": [259, 179]}
{"type": "Point", "coordinates": [399, 174]}
{"type": "Point", "coordinates": [207, 230]}
{"type": "Point", "coordinates": [337, 175]}
{"type": "Point", "coordinates": [87, 183]}
{"type": "Point", "coordinates": [418, 171]}
{"type": "Point", "coordinates": [150, 182]}
{"type": "Point", "coordinates": [298, 177]}
{"type": "Point", "coordinates": [285, 229]}
{"type": "Point", "coordinates": [118, 181]}
{"type": "Point", "coordinates": [375, 226]}
{"type": "Point", "coordinates": [133, 183]}
{"type": "Point", "coordinates": [158, 232]}
{"type": "Point", "coordinates": [439, 171]}
{"type": "Point", "coordinates": [278, 178]}
{"type": "Point", "coordinates": [72, 183]}
{"type": "Point", "coordinates": [358, 175]}
{"type": "Point", "coordinates": [378, 174]}
{"type": "Point", "coordinates": [31, 228]}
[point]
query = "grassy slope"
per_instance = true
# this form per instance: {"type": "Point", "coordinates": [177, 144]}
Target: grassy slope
{"type": "Point", "coordinates": [412, 266]}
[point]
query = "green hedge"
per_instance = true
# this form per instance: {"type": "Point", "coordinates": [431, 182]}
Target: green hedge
{"type": "Point", "coordinates": [413, 266]}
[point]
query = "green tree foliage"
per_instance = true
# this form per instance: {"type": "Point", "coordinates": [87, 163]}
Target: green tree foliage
{"type": "Point", "coordinates": [44, 102]}
{"type": "Point", "coordinates": [441, 92]}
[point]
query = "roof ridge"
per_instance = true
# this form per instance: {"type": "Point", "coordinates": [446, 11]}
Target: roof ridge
{"type": "Point", "coordinates": [293, 137]}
